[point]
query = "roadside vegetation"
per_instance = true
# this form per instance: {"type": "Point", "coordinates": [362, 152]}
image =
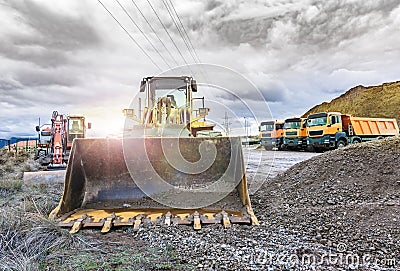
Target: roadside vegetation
{"type": "Point", "coordinates": [30, 241]}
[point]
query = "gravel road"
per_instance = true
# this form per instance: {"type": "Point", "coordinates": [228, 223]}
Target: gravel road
{"type": "Point", "coordinates": [262, 165]}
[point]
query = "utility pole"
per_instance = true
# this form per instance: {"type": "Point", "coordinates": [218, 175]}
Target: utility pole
{"type": "Point", "coordinates": [226, 124]}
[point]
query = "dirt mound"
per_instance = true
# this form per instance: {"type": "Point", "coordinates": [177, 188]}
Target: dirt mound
{"type": "Point", "coordinates": [349, 196]}
{"type": "Point", "coordinates": [375, 101]}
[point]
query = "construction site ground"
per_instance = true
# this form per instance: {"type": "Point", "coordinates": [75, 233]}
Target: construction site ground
{"type": "Point", "coordinates": [334, 211]}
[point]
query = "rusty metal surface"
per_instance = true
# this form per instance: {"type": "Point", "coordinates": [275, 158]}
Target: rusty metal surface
{"type": "Point", "coordinates": [101, 184]}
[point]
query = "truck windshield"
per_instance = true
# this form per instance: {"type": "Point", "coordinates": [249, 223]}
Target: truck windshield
{"type": "Point", "coordinates": [267, 127]}
{"type": "Point", "coordinates": [317, 122]}
{"type": "Point", "coordinates": [292, 125]}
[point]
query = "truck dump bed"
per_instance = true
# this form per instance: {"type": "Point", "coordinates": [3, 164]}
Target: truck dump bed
{"type": "Point", "coordinates": [370, 126]}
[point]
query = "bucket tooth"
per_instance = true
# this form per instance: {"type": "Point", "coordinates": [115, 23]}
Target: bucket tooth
{"type": "Point", "coordinates": [167, 220]}
{"type": "Point", "coordinates": [254, 220]}
{"type": "Point", "coordinates": [138, 221]}
{"type": "Point", "coordinates": [108, 223]}
{"type": "Point", "coordinates": [196, 221]}
{"type": "Point", "coordinates": [225, 220]}
{"type": "Point", "coordinates": [78, 224]}
{"type": "Point", "coordinates": [176, 220]}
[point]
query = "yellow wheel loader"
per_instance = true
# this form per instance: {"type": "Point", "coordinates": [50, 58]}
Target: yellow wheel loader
{"type": "Point", "coordinates": [159, 171]}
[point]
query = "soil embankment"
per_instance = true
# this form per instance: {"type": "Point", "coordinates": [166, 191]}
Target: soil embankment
{"type": "Point", "coordinates": [381, 101]}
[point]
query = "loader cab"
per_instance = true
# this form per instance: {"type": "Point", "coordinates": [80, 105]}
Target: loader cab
{"type": "Point", "coordinates": [167, 103]}
{"type": "Point", "coordinates": [168, 100]}
{"type": "Point", "coordinates": [76, 128]}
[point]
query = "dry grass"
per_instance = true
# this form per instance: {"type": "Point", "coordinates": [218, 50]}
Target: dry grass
{"type": "Point", "coordinates": [28, 240]}
{"type": "Point", "coordinates": [10, 185]}
{"type": "Point", "coordinates": [27, 237]}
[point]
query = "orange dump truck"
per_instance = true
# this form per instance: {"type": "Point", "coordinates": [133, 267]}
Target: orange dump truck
{"type": "Point", "coordinates": [330, 130]}
{"type": "Point", "coordinates": [271, 134]}
{"type": "Point", "coordinates": [295, 134]}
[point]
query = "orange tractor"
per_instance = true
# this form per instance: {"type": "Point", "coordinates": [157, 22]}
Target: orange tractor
{"type": "Point", "coordinates": [55, 139]}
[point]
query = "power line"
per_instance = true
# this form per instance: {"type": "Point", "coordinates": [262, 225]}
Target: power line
{"type": "Point", "coordinates": [184, 30]}
{"type": "Point", "coordinates": [144, 35]}
{"type": "Point", "coordinates": [130, 36]}
{"type": "Point", "coordinates": [166, 30]}
{"type": "Point", "coordinates": [179, 29]}
{"type": "Point", "coordinates": [205, 74]}
{"type": "Point", "coordinates": [154, 31]}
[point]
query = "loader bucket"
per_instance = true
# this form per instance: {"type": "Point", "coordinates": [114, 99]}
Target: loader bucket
{"type": "Point", "coordinates": [115, 182]}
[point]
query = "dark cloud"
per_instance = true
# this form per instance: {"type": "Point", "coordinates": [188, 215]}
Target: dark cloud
{"type": "Point", "coordinates": [52, 35]}
{"type": "Point", "coordinates": [252, 31]}
{"type": "Point", "coordinates": [38, 78]}
{"type": "Point", "coordinates": [319, 24]}
{"type": "Point", "coordinates": [7, 85]}
{"type": "Point", "coordinates": [212, 4]}
{"type": "Point", "coordinates": [327, 23]}
{"type": "Point", "coordinates": [34, 53]}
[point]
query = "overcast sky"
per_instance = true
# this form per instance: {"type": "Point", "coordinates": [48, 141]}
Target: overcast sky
{"type": "Point", "coordinates": [72, 56]}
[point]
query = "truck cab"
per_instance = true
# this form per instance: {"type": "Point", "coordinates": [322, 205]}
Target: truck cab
{"type": "Point", "coordinates": [44, 140]}
{"type": "Point", "coordinates": [271, 134]}
{"type": "Point", "coordinates": [325, 131]}
{"type": "Point", "coordinates": [295, 133]}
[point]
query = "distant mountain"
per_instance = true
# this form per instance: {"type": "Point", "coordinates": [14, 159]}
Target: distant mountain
{"type": "Point", "coordinates": [360, 101]}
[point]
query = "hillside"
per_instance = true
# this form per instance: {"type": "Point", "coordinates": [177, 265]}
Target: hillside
{"type": "Point", "coordinates": [373, 101]}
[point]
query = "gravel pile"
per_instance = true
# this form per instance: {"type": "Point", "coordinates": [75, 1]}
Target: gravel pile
{"type": "Point", "coordinates": [349, 196]}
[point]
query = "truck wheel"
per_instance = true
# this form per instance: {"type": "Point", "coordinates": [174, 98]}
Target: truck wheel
{"type": "Point", "coordinates": [310, 148]}
{"type": "Point", "coordinates": [268, 148]}
{"type": "Point", "coordinates": [41, 154]}
{"type": "Point", "coordinates": [356, 141]}
{"type": "Point", "coordinates": [341, 144]}
{"type": "Point", "coordinates": [318, 150]}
